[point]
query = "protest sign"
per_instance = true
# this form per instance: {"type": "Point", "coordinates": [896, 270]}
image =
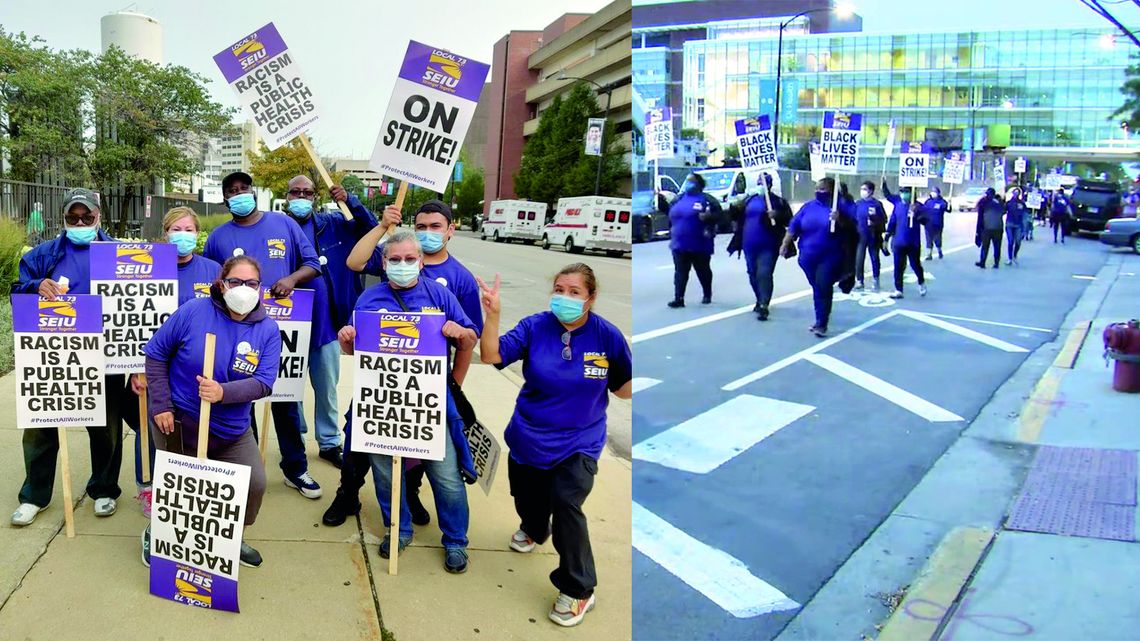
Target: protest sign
{"type": "Point", "coordinates": [197, 518]}
{"type": "Point", "coordinates": [658, 133]}
{"type": "Point", "coordinates": [1019, 166]}
{"type": "Point", "coordinates": [594, 129]}
{"type": "Point", "coordinates": [914, 164]}
{"type": "Point", "coordinates": [139, 286]}
{"type": "Point", "coordinates": [954, 169]}
{"type": "Point", "coordinates": [817, 170]}
{"type": "Point", "coordinates": [267, 80]}
{"type": "Point", "coordinates": [485, 451]}
{"type": "Point", "coordinates": [999, 175]}
{"type": "Point", "coordinates": [294, 316]}
{"type": "Point", "coordinates": [1034, 200]}
{"type": "Point", "coordinates": [756, 144]}
{"type": "Point", "coordinates": [891, 132]}
{"type": "Point", "coordinates": [59, 361]}
{"type": "Point", "coordinates": [427, 118]}
{"type": "Point", "coordinates": [400, 388]}
{"type": "Point", "coordinates": [839, 142]}
{"type": "Point", "coordinates": [1052, 182]}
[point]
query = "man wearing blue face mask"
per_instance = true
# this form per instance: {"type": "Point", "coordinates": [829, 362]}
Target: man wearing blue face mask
{"type": "Point", "coordinates": [287, 259]}
{"type": "Point", "coordinates": [53, 268]}
{"type": "Point", "coordinates": [335, 293]}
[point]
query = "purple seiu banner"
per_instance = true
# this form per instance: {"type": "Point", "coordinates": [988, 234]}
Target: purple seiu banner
{"type": "Point", "coordinates": [134, 261]}
{"type": "Point", "coordinates": [444, 71]}
{"type": "Point", "coordinates": [71, 314]}
{"type": "Point", "coordinates": [401, 333]}
{"type": "Point", "coordinates": [915, 147]}
{"type": "Point", "coordinates": [191, 586]}
{"type": "Point", "coordinates": [297, 307]}
{"type": "Point", "coordinates": [249, 52]}
{"type": "Point", "coordinates": [842, 120]}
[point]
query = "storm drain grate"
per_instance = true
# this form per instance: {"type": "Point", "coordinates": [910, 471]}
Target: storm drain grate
{"type": "Point", "coordinates": [1079, 492]}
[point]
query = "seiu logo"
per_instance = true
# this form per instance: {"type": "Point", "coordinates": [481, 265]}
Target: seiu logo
{"type": "Point", "coordinates": [841, 120]}
{"type": "Point", "coordinates": [276, 247]}
{"type": "Point", "coordinates": [193, 587]}
{"type": "Point", "coordinates": [399, 332]}
{"type": "Point", "coordinates": [595, 365]}
{"type": "Point", "coordinates": [277, 308]}
{"type": "Point", "coordinates": [133, 260]}
{"type": "Point", "coordinates": [250, 46]}
{"type": "Point", "coordinates": [57, 314]}
{"type": "Point", "coordinates": [444, 70]}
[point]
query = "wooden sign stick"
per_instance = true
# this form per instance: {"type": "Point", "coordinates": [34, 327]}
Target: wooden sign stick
{"type": "Point", "coordinates": [323, 172]}
{"type": "Point", "coordinates": [144, 432]}
{"type": "Point", "coordinates": [396, 505]}
{"type": "Point", "coordinates": [264, 430]}
{"type": "Point", "coordinates": [204, 412]}
{"type": "Point", "coordinates": [401, 192]}
{"type": "Point", "coordinates": [65, 471]}
{"type": "Point", "coordinates": [767, 199]}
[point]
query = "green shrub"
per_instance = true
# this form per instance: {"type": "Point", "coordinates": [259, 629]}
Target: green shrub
{"type": "Point", "coordinates": [12, 239]}
{"type": "Point", "coordinates": [213, 221]}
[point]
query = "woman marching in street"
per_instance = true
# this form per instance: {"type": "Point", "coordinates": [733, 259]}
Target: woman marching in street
{"type": "Point", "coordinates": [1015, 215]}
{"type": "Point", "coordinates": [572, 360]}
{"type": "Point", "coordinates": [821, 249]}
{"type": "Point", "coordinates": [758, 233]}
{"type": "Point", "coordinates": [905, 231]}
{"type": "Point", "coordinates": [247, 356]}
{"type": "Point", "coordinates": [692, 221]}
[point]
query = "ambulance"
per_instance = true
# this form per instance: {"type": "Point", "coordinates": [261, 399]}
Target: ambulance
{"type": "Point", "coordinates": [514, 220]}
{"type": "Point", "coordinates": [591, 222]}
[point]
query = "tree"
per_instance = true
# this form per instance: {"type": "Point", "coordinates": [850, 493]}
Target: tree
{"type": "Point", "coordinates": [797, 157]}
{"type": "Point", "coordinates": [354, 185]}
{"type": "Point", "coordinates": [689, 133]}
{"type": "Point", "coordinates": [274, 169]}
{"type": "Point", "coordinates": [469, 195]}
{"type": "Point", "coordinates": [554, 164]}
{"type": "Point", "coordinates": [731, 155]}
{"type": "Point", "coordinates": [1131, 90]}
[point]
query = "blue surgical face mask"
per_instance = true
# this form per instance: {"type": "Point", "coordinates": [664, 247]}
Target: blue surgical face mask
{"type": "Point", "coordinates": [566, 308]}
{"type": "Point", "coordinates": [185, 241]}
{"type": "Point", "coordinates": [431, 241]}
{"type": "Point", "coordinates": [301, 207]}
{"type": "Point", "coordinates": [690, 187]}
{"type": "Point", "coordinates": [242, 204]}
{"type": "Point", "coordinates": [905, 196]}
{"type": "Point", "coordinates": [402, 274]}
{"type": "Point", "coordinates": [82, 235]}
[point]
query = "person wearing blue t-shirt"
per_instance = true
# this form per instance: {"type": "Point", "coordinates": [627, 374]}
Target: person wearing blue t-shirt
{"type": "Point", "coordinates": [287, 259]}
{"type": "Point", "coordinates": [247, 354]}
{"type": "Point", "coordinates": [572, 360]}
{"type": "Point", "coordinates": [904, 230]}
{"type": "Point", "coordinates": [52, 268]}
{"type": "Point", "coordinates": [820, 231]}
{"type": "Point", "coordinates": [934, 220]}
{"type": "Point", "coordinates": [407, 289]}
{"type": "Point", "coordinates": [758, 234]}
{"type": "Point", "coordinates": [871, 219]}
{"type": "Point", "coordinates": [692, 228]}
{"type": "Point", "coordinates": [434, 229]}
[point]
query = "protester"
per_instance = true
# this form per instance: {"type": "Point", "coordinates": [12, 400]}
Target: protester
{"type": "Point", "coordinates": [247, 353]}
{"type": "Point", "coordinates": [1015, 213]}
{"type": "Point", "coordinates": [1060, 210]}
{"type": "Point", "coordinates": [42, 271]}
{"type": "Point", "coordinates": [692, 219]}
{"type": "Point", "coordinates": [572, 359]}
{"type": "Point", "coordinates": [821, 250]}
{"type": "Point", "coordinates": [1132, 201]}
{"type": "Point", "coordinates": [991, 212]}
{"type": "Point", "coordinates": [334, 293]}
{"type": "Point", "coordinates": [933, 212]}
{"type": "Point", "coordinates": [406, 289]}
{"type": "Point", "coordinates": [758, 233]}
{"type": "Point", "coordinates": [904, 229]}
{"type": "Point", "coordinates": [287, 259]}
{"type": "Point", "coordinates": [871, 219]}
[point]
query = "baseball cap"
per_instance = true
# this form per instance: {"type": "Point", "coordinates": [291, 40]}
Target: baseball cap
{"type": "Point", "coordinates": [81, 196]}
{"type": "Point", "coordinates": [237, 175]}
{"type": "Point", "coordinates": [437, 207]}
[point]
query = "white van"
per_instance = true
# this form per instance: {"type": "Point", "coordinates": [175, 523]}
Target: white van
{"type": "Point", "coordinates": [591, 222]}
{"type": "Point", "coordinates": [514, 220]}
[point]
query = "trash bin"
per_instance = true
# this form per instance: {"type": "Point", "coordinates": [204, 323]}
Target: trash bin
{"type": "Point", "coordinates": [1122, 344]}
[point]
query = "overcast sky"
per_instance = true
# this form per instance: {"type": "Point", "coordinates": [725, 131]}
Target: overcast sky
{"type": "Point", "coordinates": [350, 50]}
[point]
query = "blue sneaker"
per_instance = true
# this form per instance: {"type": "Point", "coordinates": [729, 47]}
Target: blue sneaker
{"type": "Point", "coordinates": [455, 560]}
{"type": "Point", "coordinates": [386, 546]}
{"type": "Point", "coordinates": [304, 484]}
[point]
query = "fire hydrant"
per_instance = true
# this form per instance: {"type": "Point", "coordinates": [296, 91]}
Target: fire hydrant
{"type": "Point", "coordinates": [1122, 344]}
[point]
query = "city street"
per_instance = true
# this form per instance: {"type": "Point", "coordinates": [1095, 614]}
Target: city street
{"type": "Point", "coordinates": [766, 456]}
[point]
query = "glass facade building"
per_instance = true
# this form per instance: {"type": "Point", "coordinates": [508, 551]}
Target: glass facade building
{"type": "Point", "coordinates": [1055, 88]}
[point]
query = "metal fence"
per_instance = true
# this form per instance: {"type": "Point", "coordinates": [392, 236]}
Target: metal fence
{"type": "Point", "coordinates": [19, 199]}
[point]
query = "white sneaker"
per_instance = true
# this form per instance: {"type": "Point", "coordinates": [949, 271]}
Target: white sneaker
{"type": "Point", "coordinates": [105, 507]}
{"type": "Point", "coordinates": [520, 542]}
{"type": "Point", "coordinates": [25, 514]}
{"type": "Point", "coordinates": [922, 290]}
{"type": "Point", "coordinates": [897, 294]}
{"type": "Point", "coordinates": [568, 611]}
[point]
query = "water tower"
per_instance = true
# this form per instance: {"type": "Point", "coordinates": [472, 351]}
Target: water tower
{"type": "Point", "coordinates": [136, 34]}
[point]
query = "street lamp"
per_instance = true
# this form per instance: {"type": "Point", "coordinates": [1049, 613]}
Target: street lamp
{"type": "Point", "coordinates": [607, 89]}
{"type": "Point", "coordinates": [842, 10]}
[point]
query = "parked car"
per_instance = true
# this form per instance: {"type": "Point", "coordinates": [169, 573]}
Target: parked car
{"type": "Point", "coordinates": [968, 200]}
{"type": "Point", "coordinates": [1094, 202]}
{"type": "Point", "coordinates": [1122, 232]}
{"type": "Point", "coordinates": [648, 223]}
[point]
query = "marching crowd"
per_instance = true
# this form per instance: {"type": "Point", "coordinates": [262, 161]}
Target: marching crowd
{"type": "Point", "coordinates": [572, 360]}
{"type": "Point", "coordinates": [834, 233]}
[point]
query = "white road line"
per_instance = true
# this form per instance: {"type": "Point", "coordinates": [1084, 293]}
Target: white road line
{"type": "Point", "coordinates": [879, 387]}
{"type": "Point", "coordinates": [985, 322]}
{"type": "Point", "coordinates": [1083, 277]}
{"type": "Point", "coordinates": [712, 318]}
{"type": "Point", "coordinates": [782, 363]}
{"type": "Point", "coordinates": [965, 332]}
{"type": "Point", "coordinates": [640, 384]}
{"type": "Point", "coordinates": [713, 438]}
{"type": "Point", "coordinates": [714, 573]}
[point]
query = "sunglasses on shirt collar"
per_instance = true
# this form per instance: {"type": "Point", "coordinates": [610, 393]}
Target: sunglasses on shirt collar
{"type": "Point", "coordinates": [566, 355]}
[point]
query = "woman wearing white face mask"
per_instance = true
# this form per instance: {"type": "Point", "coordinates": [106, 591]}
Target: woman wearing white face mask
{"type": "Point", "coordinates": [572, 360]}
{"type": "Point", "coordinates": [247, 355]}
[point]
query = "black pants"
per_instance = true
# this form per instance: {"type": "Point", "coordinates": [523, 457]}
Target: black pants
{"type": "Point", "coordinates": [556, 496]}
{"type": "Point", "coordinates": [287, 426]}
{"type": "Point", "coordinates": [991, 237]}
{"type": "Point", "coordinates": [682, 261]}
{"type": "Point", "coordinates": [903, 255]}
{"type": "Point", "coordinates": [873, 246]}
{"type": "Point", "coordinates": [354, 468]}
{"type": "Point", "coordinates": [41, 446]}
{"type": "Point", "coordinates": [1058, 229]}
{"type": "Point", "coordinates": [933, 239]}
{"type": "Point", "coordinates": [761, 268]}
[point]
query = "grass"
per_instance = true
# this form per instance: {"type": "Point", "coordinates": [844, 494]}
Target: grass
{"type": "Point", "coordinates": [12, 238]}
{"type": "Point", "coordinates": [7, 356]}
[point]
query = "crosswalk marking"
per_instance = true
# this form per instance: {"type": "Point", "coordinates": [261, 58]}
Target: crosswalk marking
{"type": "Point", "coordinates": [965, 332]}
{"type": "Point", "coordinates": [878, 386]}
{"type": "Point", "coordinates": [725, 580]}
{"type": "Point", "coordinates": [641, 383]}
{"type": "Point", "coordinates": [713, 438]}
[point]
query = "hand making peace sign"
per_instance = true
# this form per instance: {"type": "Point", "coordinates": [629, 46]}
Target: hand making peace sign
{"type": "Point", "coordinates": [490, 298]}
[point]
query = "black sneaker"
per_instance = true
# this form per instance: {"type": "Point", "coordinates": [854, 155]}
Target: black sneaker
{"type": "Point", "coordinates": [980, 264]}
{"type": "Point", "coordinates": [386, 546]}
{"type": "Point", "coordinates": [334, 455]}
{"type": "Point", "coordinates": [819, 331]}
{"type": "Point", "coordinates": [250, 557]}
{"type": "Point", "coordinates": [146, 546]}
{"type": "Point", "coordinates": [706, 300]}
{"type": "Point", "coordinates": [342, 507]}
{"type": "Point", "coordinates": [420, 514]}
{"type": "Point", "coordinates": [763, 313]}
{"type": "Point", "coordinates": [455, 560]}
{"type": "Point", "coordinates": [676, 302]}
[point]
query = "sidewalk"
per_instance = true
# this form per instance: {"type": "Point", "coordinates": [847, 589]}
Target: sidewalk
{"type": "Point", "coordinates": [316, 582]}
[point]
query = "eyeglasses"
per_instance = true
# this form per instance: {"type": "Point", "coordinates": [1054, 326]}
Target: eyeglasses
{"type": "Point", "coordinates": [302, 193]}
{"type": "Point", "coordinates": [237, 282]}
{"type": "Point", "coordinates": [566, 346]}
{"type": "Point", "coordinates": [86, 220]}
{"type": "Point", "coordinates": [396, 260]}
